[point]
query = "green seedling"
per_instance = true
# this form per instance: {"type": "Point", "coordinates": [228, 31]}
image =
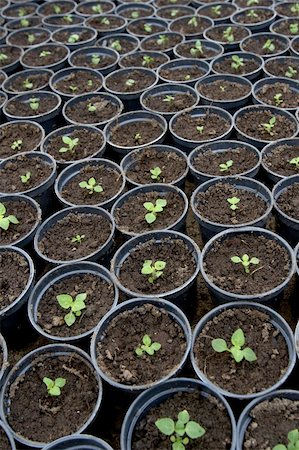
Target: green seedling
{"type": "Point", "coordinates": [295, 161]}
{"type": "Point", "coordinates": [6, 221]}
{"type": "Point", "coordinates": [147, 346]}
{"type": "Point", "coordinates": [73, 88]}
{"type": "Point", "coordinates": [54, 386]}
{"type": "Point", "coordinates": [147, 60]}
{"type": "Point", "coordinates": [71, 144]}
{"type": "Point", "coordinates": [200, 129]}
{"type": "Point", "coordinates": [3, 57]}
{"type": "Point", "coordinates": [57, 9]}
{"type": "Point", "coordinates": [73, 38]}
{"type": "Point", "coordinates": [25, 22]}
{"type": "Point", "coordinates": [89, 83]}
{"type": "Point", "coordinates": [224, 167]}
{"type": "Point", "coordinates": [294, 28]}
{"type": "Point", "coordinates": [278, 99]}
{"type": "Point", "coordinates": [116, 45]}
{"type": "Point", "coordinates": [34, 104]}
{"type": "Point", "coordinates": [295, 8]}
{"type": "Point", "coordinates": [193, 22]}
{"type": "Point", "coordinates": [252, 2]}
{"type": "Point", "coordinates": [138, 138]}
{"type": "Point", "coordinates": [216, 10]}
{"type": "Point", "coordinates": [130, 82]}
{"type": "Point", "coordinates": [22, 12]}
{"type": "Point", "coordinates": [78, 238]}
{"type": "Point", "coordinates": [237, 62]}
{"type": "Point", "coordinates": [17, 145]}
{"type": "Point", "coordinates": [228, 34]}
{"type": "Point", "coordinates": [196, 49]}
{"type": "Point", "coordinates": [68, 19]}
{"type": "Point", "coordinates": [269, 125]}
{"type": "Point", "coordinates": [30, 38]}
{"type": "Point", "coordinates": [155, 270]}
{"type": "Point", "coordinates": [95, 60]}
{"type": "Point", "coordinates": [163, 39]}
{"type": "Point", "coordinates": [154, 209]}
{"type": "Point", "coordinates": [245, 261]}
{"type": "Point", "coordinates": [91, 185]}
{"type": "Point", "coordinates": [27, 84]}
{"type": "Point", "coordinates": [135, 15]}
{"type": "Point", "coordinates": [168, 98]}
{"type": "Point", "coordinates": [252, 14]}
{"type": "Point", "coordinates": [147, 28]}
{"type": "Point", "coordinates": [97, 9]}
{"type": "Point", "coordinates": [293, 444]}
{"type": "Point", "coordinates": [268, 45]}
{"type": "Point", "coordinates": [233, 201]}
{"type": "Point", "coordinates": [91, 108]}
{"type": "Point", "coordinates": [45, 53]}
{"type": "Point", "coordinates": [105, 21]}
{"type": "Point", "coordinates": [181, 431]}
{"type": "Point", "coordinates": [174, 12]}
{"type": "Point", "coordinates": [238, 341]}
{"type": "Point", "coordinates": [173, 1]}
{"type": "Point", "coordinates": [222, 88]}
{"type": "Point", "coordinates": [75, 305]}
{"type": "Point", "coordinates": [25, 178]}
{"type": "Point", "coordinates": [155, 173]}
{"type": "Point", "coordinates": [187, 77]}
{"type": "Point", "coordinates": [291, 72]}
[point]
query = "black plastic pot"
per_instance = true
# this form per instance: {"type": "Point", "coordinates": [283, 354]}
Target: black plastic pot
{"type": "Point", "coordinates": [274, 177]}
{"type": "Point", "coordinates": [17, 24]}
{"type": "Point", "coordinates": [173, 311]}
{"type": "Point", "coordinates": [258, 26]}
{"type": "Point", "coordinates": [109, 7]}
{"type": "Point", "coordinates": [15, 65]}
{"type": "Point", "coordinates": [162, 24]}
{"type": "Point", "coordinates": [68, 4]}
{"type": "Point", "coordinates": [288, 226]}
{"type": "Point", "coordinates": [223, 18]}
{"type": "Point", "coordinates": [283, 39]}
{"type": "Point", "coordinates": [34, 31]}
{"type": "Point", "coordinates": [123, 65]}
{"type": "Point", "coordinates": [216, 48]}
{"type": "Point", "coordinates": [241, 4]}
{"type": "Point", "coordinates": [276, 320]}
{"type": "Point", "coordinates": [97, 255]}
{"type": "Point", "coordinates": [60, 21]}
{"type": "Point", "coordinates": [26, 364]}
{"type": "Point", "coordinates": [103, 32]}
{"type": "Point", "coordinates": [3, 102]}
{"type": "Point", "coordinates": [7, 85]}
{"type": "Point", "coordinates": [175, 64]}
{"type": "Point", "coordinates": [12, 11]}
{"type": "Point", "coordinates": [176, 295]}
{"type": "Point", "coordinates": [168, 34]}
{"type": "Point", "coordinates": [55, 66]}
{"type": "Point", "coordinates": [57, 275]}
{"type": "Point", "coordinates": [209, 228]}
{"type": "Point", "coordinates": [42, 193]}
{"type": "Point", "coordinates": [208, 23]}
{"type": "Point", "coordinates": [222, 296]}
{"type": "Point", "coordinates": [275, 27]}
{"type": "Point", "coordinates": [75, 442]}
{"type": "Point", "coordinates": [73, 170]}
{"type": "Point", "coordinates": [169, 12]}
{"type": "Point", "coordinates": [259, 85]}
{"type": "Point", "coordinates": [15, 124]}
{"type": "Point", "coordinates": [228, 46]}
{"type": "Point", "coordinates": [3, 370]}
{"type": "Point", "coordinates": [287, 12]}
{"type": "Point", "coordinates": [284, 61]}
{"type": "Point", "coordinates": [76, 30]}
{"type": "Point", "coordinates": [8, 434]}
{"type": "Point", "coordinates": [246, 419]}
{"type": "Point", "coordinates": [157, 394]}
{"type": "Point", "coordinates": [246, 56]}
{"type": "Point", "coordinates": [99, 51]}
{"type": "Point", "coordinates": [109, 42]}
{"type": "Point", "coordinates": [127, 10]}
{"type": "Point", "coordinates": [294, 41]}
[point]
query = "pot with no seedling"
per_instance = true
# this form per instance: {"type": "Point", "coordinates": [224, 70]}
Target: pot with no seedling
{"type": "Point", "coordinates": [27, 81]}
{"type": "Point", "coordinates": [266, 45]}
{"type": "Point", "coordinates": [32, 174]}
{"type": "Point", "coordinates": [83, 233]}
{"type": "Point", "coordinates": [228, 35]}
{"type": "Point", "coordinates": [282, 66]}
{"type": "Point", "coordinates": [294, 46]}
{"type": "Point", "coordinates": [56, 7]}
{"type": "Point", "coordinates": [286, 27]}
{"type": "Point", "coordinates": [3, 77]}
{"type": "Point", "coordinates": [77, 441]}
{"type": "Point", "coordinates": [285, 194]}
{"type": "Point", "coordinates": [102, 59]}
{"type": "Point", "coordinates": [68, 302]}
{"type": "Point", "coordinates": [230, 203]}
{"type": "Point", "coordinates": [256, 18]}
{"type": "Point", "coordinates": [3, 35]}
{"type": "Point", "coordinates": [106, 24]}
{"type": "Point", "coordinates": [141, 343]}
{"type": "Point", "coordinates": [280, 159]}
{"type": "Point", "coordinates": [71, 82]}
{"type": "Point", "coordinates": [162, 42]}
{"type": "Point", "coordinates": [280, 92]}
{"type": "Point", "coordinates": [63, 377]}
{"type": "Point", "coordinates": [28, 37]}
{"type": "Point", "coordinates": [183, 71]}
{"type": "Point", "coordinates": [250, 263]}
{"type": "Point", "coordinates": [199, 49]}
{"type": "Point", "coordinates": [150, 265]}
{"type": "Point", "coordinates": [268, 420]}
{"type": "Point", "coordinates": [192, 27]}
{"type": "Point", "coordinates": [146, 27]}
{"type": "Point", "coordinates": [134, 11]}
{"type": "Point", "coordinates": [74, 143]}
{"type": "Point", "coordinates": [218, 12]}
{"type": "Point", "coordinates": [10, 58]}
{"type": "Point", "coordinates": [244, 64]}
{"type": "Point", "coordinates": [51, 56]}
{"type": "Point", "coordinates": [6, 439]}
{"type": "Point", "coordinates": [171, 13]}
{"type": "Point", "coordinates": [86, 8]}
{"type": "Point", "coordinates": [200, 124]}
{"type": "Point", "coordinates": [97, 182]}
{"type": "Point", "coordinates": [150, 208]}
{"type": "Point", "coordinates": [120, 42]}
{"type": "Point", "coordinates": [24, 10]}
{"type": "Point", "coordinates": [259, 125]}
{"type": "Point", "coordinates": [96, 109]}
{"type": "Point", "coordinates": [180, 398]}
{"type": "Point", "coordinates": [149, 60]}
{"type": "Point", "coordinates": [20, 136]}
{"type": "Point", "coordinates": [232, 353]}
{"type": "Point", "coordinates": [58, 21]}
{"type": "Point", "coordinates": [18, 24]}
{"type": "Point", "coordinates": [75, 37]}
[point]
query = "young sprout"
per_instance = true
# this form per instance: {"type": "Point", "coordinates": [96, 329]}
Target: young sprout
{"type": "Point", "coordinates": [3, 57]}
{"type": "Point", "coordinates": [44, 53]}
{"type": "Point", "coordinates": [196, 49]}
{"type": "Point", "coordinates": [268, 45]}
{"type": "Point", "coordinates": [73, 88]}
{"type": "Point", "coordinates": [291, 72]}
{"type": "Point", "coordinates": [135, 15]}
{"type": "Point", "coordinates": [153, 209]}
{"type": "Point", "coordinates": [147, 28]}
{"type": "Point", "coordinates": [76, 305]}
{"type": "Point", "coordinates": [222, 88]}
{"type": "Point", "coordinates": [95, 59]}
{"type": "Point", "coordinates": [295, 8]}
{"type": "Point", "coordinates": [200, 129]}
{"type": "Point", "coordinates": [6, 221]}
{"type": "Point", "coordinates": [73, 38]}
{"type": "Point", "coordinates": [245, 261]}
{"type": "Point", "coordinates": [147, 60]}
{"type": "Point", "coordinates": [54, 386]}
{"type": "Point", "coordinates": [105, 21]}
{"type": "Point", "coordinates": [89, 83]}
{"type": "Point", "coordinates": [168, 98]}
{"type": "Point", "coordinates": [116, 45]}
{"type": "Point", "coordinates": [181, 431]}
{"type": "Point", "coordinates": [78, 238]}
{"type": "Point", "coordinates": [216, 10]}
{"type": "Point", "coordinates": [34, 104]}
{"type": "Point", "coordinates": [252, 2]}
{"type": "Point", "coordinates": [187, 77]}
{"type": "Point", "coordinates": [233, 201]}
{"type": "Point", "coordinates": [162, 39]}
{"type": "Point", "coordinates": [294, 28]}
{"type": "Point", "coordinates": [57, 9]}
{"type": "Point", "coordinates": [137, 138]}
{"type": "Point", "coordinates": [130, 82]}
{"type": "Point", "coordinates": [68, 19]}
{"type": "Point", "coordinates": [147, 346]}
{"type": "Point", "coordinates": [224, 167]}
{"type": "Point", "coordinates": [30, 38]}
{"type": "Point", "coordinates": [27, 84]}
{"type": "Point", "coordinates": [174, 12]}
{"type": "Point", "coordinates": [91, 185]}
{"type": "Point", "coordinates": [21, 12]}
{"type": "Point", "coordinates": [193, 22]}
{"type": "Point", "coordinates": [270, 125]}
{"type": "Point", "coordinates": [237, 62]}
{"type": "Point", "coordinates": [293, 438]}
{"type": "Point", "coordinates": [155, 173]}
{"type": "Point", "coordinates": [295, 161]}
{"type": "Point", "coordinates": [25, 22]}
{"type": "Point", "coordinates": [278, 99]}
{"type": "Point", "coordinates": [252, 14]}
{"type": "Point", "coordinates": [155, 270]}
{"type": "Point", "coordinates": [228, 34]}
{"type": "Point", "coordinates": [17, 145]}
{"type": "Point", "coordinates": [71, 144]}
{"type": "Point", "coordinates": [97, 9]}
{"type": "Point", "coordinates": [91, 108]}
{"type": "Point", "coordinates": [25, 178]}
{"type": "Point", "coordinates": [238, 341]}
{"type": "Point", "coordinates": [172, 1]}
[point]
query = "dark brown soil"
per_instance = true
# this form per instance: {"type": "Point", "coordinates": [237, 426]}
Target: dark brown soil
{"type": "Point", "coordinates": [209, 161]}
{"type": "Point", "coordinates": [288, 201]}
{"type": "Point", "coordinates": [4, 442]}
{"type": "Point", "coordinates": [251, 122]}
{"type": "Point", "coordinates": [160, 3]}
{"type": "Point", "coordinates": [38, 81]}
{"type": "Point", "coordinates": [22, 38]}
{"type": "Point", "coordinates": [271, 271]}
{"type": "Point", "coordinates": [23, 11]}
{"type": "Point", "coordinates": [130, 217]}
{"type": "Point", "coordinates": [135, 13]}
{"type": "Point", "coordinates": [12, 53]}
{"type": "Point", "coordinates": [64, 21]}
{"type": "Point", "coordinates": [98, 24]}
{"type": "Point", "coordinates": [161, 103]}
{"type": "Point", "coordinates": [279, 160]}
{"type": "Point", "coordinates": [19, 108]}
{"type": "Point", "coordinates": [284, 27]}
{"type": "Point", "coordinates": [154, 44]}
{"type": "Point", "coordinates": [225, 11]}
{"type": "Point", "coordinates": [57, 243]}
{"type": "Point", "coordinates": [185, 50]}
{"type": "Point", "coordinates": [261, 336]}
{"type": "Point", "coordinates": [116, 350]}
{"type": "Point", "coordinates": [34, 58]}
{"type": "Point", "coordinates": [279, 415]}
{"type": "Point", "coordinates": [285, 9]}
{"type": "Point", "coordinates": [274, 67]}
{"type": "Point", "coordinates": [213, 205]}
{"type": "Point", "coordinates": [172, 166]}
{"type": "Point", "coordinates": [296, 46]}
{"type": "Point", "coordinates": [224, 90]}
{"type": "Point", "coordinates": [83, 60]}
{"type": "Point", "coordinates": [225, 66]}
{"type": "Point", "coordinates": [136, 60]}
{"type": "Point", "coordinates": [254, 16]}
{"type": "Point", "coordinates": [289, 97]}
{"type": "Point", "coordinates": [244, 3]}
{"type": "Point", "coordinates": [182, 74]}
{"type": "Point", "coordinates": [64, 35]}
{"type": "Point", "coordinates": [213, 126]}
{"type": "Point", "coordinates": [186, 28]}
{"type": "Point", "coordinates": [105, 176]}
{"type": "Point", "coordinates": [28, 133]}
{"type": "Point", "coordinates": [134, 134]}
{"type": "Point", "coordinates": [172, 12]}
{"type": "Point", "coordinates": [118, 82]}
{"type": "Point", "coordinates": [138, 28]}
{"type": "Point", "coordinates": [78, 82]}
{"type": "Point", "coordinates": [2, 79]}
{"type": "Point", "coordinates": [56, 8]}
{"type": "Point", "coordinates": [105, 110]}
{"type": "Point", "coordinates": [120, 44]}
{"type": "Point", "coordinates": [87, 9]}
{"type": "Point", "coordinates": [12, 287]}
{"type": "Point", "coordinates": [100, 298]}
{"type": "Point", "coordinates": [27, 217]}
{"type": "Point", "coordinates": [30, 22]}
{"type": "Point", "coordinates": [11, 172]}
{"type": "Point", "coordinates": [180, 266]}
{"type": "Point", "coordinates": [217, 34]}
{"type": "Point", "coordinates": [255, 44]}
{"type": "Point", "coordinates": [44, 418]}
{"type": "Point", "coordinates": [207, 411]}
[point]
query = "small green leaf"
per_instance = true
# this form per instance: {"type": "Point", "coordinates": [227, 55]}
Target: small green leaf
{"type": "Point", "coordinates": [150, 218]}
{"type": "Point", "coordinates": [184, 416]}
{"type": "Point", "coordinates": [4, 224]}
{"type": "Point", "coordinates": [236, 259]}
{"type": "Point", "coordinates": [194, 430]}
{"type": "Point", "coordinates": [238, 338]}
{"type": "Point", "coordinates": [70, 319]}
{"type": "Point", "coordinates": [156, 346]}
{"type": "Point", "coordinates": [161, 202]}
{"type": "Point", "coordinates": [60, 382]}
{"type": "Point", "coordinates": [293, 436]}
{"type": "Point", "coordinates": [254, 260]}
{"type": "Point", "coordinates": [149, 206]}
{"type": "Point", "coordinates": [249, 354]}
{"type": "Point", "coordinates": [219, 345]}
{"type": "Point", "coordinates": [160, 265]}
{"type": "Point", "coordinates": [48, 382]}
{"type": "Point", "coordinates": [55, 391]}
{"type": "Point", "coordinates": [2, 209]}
{"type": "Point", "coordinates": [13, 219]}
{"type": "Point", "coordinates": [178, 446]}
{"type": "Point", "coordinates": [138, 351]}
{"type": "Point", "coordinates": [237, 354]}
{"type": "Point", "coordinates": [146, 340]}
{"type": "Point", "coordinates": [165, 425]}
{"type": "Point", "coordinates": [64, 300]}
{"type": "Point", "coordinates": [280, 447]}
